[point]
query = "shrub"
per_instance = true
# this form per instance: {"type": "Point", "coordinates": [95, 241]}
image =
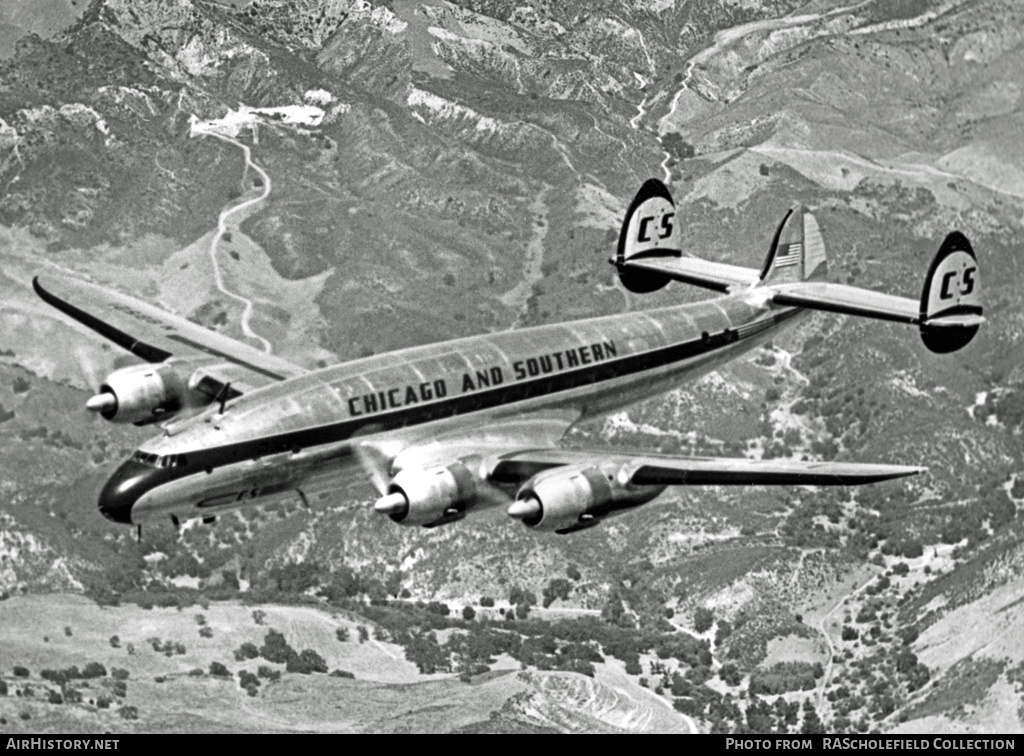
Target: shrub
{"type": "Point", "coordinates": [268, 673]}
{"type": "Point", "coordinates": [468, 613]}
{"type": "Point", "coordinates": [306, 662]}
{"type": "Point", "coordinates": [54, 697]}
{"type": "Point", "coordinates": [115, 642]}
{"type": "Point", "coordinates": [205, 632]}
{"type": "Point", "coordinates": [20, 671]}
{"type": "Point", "coordinates": [486, 601]}
{"type": "Point", "coordinates": [103, 702]}
{"type": "Point", "coordinates": [196, 672]}
{"type": "Point", "coordinates": [343, 673]}
{"type": "Point", "coordinates": [93, 670]}
{"type": "Point", "coordinates": [258, 616]}
{"type": "Point", "coordinates": [246, 651]}
{"type": "Point", "coordinates": [219, 670]}
{"type": "Point", "coordinates": [247, 679]}
{"type": "Point", "coordinates": [119, 674]}
{"type": "Point", "coordinates": [341, 634]}
{"type": "Point", "coordinates": [67, 631]}
{"type": "Point", "coordinates": [128, 712]}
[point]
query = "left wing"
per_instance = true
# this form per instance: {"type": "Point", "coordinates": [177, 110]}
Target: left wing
{"type": "Point", "coordinates": [640, 469]}
{"type": "Point", "coordinates": [157, 336]}
{"type": "Point", "coordinates": [567, 491]}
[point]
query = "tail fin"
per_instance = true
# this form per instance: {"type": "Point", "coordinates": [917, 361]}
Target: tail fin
{"type": "Point", "coordinates": [951, 300]}
{"type": "Point", "coordinates": [650, 230]}
{"type": "Point", "coordinates": [797, 252]}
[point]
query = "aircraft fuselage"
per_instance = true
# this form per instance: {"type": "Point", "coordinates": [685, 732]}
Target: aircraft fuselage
{"type": "Point", "coordinates": [297, 434]}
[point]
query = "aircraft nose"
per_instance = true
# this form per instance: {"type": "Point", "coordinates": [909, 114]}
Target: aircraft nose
{"type": "Point", "coordinates": [123, 489]}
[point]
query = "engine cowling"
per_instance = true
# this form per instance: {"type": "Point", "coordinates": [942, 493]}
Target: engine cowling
{"type": "Point", "coordinates": [140, 394]}
{"type": "Point", "coordinates": [428, 496]}
{"type": "Point", "coordinates": [572, 498]}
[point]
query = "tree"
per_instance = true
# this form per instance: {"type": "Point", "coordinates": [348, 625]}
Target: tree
{"type": "Point", "coordinates": [703, 619]}
{"type": "Point", "coordinates": [341, 633]}
{"type": "Point", "coordinates": [812, 722]}
{"type": "Point", "coordinates": [468, 613]}
{"type": "Point", "coordinates": [246, 651]}
{"type": "Point", "coordinates": [275, 648]}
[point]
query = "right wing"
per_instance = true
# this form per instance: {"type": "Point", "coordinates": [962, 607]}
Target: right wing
{"type": "Point", "coordinates": [156, 335]}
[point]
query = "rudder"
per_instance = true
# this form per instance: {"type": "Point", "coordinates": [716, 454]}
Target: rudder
{"type": "Point", "coordinates": [797, 252]}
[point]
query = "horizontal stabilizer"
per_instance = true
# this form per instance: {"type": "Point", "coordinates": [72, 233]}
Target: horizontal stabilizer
{"type": "Point", "coordinates": [848, 300]}
{"type": "Point", "coordinates": [692, 270]}
{"type": "Point", "coordinates": [662, 470]}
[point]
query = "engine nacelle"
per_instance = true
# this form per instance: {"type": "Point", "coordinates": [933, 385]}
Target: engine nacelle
{"type": "Point", "coordinates": [418, 496]}
{"type": "Point", "coordinates": [572, 498]}
{"type": "Point", "coordinates": [140, 394]}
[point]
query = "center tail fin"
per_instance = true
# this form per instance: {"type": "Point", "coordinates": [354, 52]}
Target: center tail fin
{"type": "Point", "coordinates": [797, 252]}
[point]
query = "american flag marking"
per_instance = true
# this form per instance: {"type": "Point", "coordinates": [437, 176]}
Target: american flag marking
{"type": "Point", "coordinates": [794, 252]}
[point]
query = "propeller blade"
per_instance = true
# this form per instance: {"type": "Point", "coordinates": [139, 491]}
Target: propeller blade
{"type": "Point", "coordinates": [375, 465]}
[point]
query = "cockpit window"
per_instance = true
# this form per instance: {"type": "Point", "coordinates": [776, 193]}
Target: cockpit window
{"type": "Point", "coordinates": [155, 460]}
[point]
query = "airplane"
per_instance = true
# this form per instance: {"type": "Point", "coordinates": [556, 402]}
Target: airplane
{"type": "Point", "coordinates": [443, 430]}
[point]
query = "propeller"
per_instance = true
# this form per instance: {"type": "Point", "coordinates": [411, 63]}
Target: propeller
{"type": "Point", "coordinates": [377, 467]}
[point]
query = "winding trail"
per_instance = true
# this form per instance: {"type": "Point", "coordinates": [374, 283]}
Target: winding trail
{"type": "Point", "coordinates": [830, 669]}
{"type": "Point", "coordinates": [222, 222]}
{"type": "Point", "coordinates": [518, 297]}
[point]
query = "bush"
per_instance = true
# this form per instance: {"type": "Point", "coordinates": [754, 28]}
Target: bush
{"type": "Point", "coordinates": [128, 712]}
{"type": "Point", "coordinates": [54, 697]}
{"type": "Point", "coordinates": [486, 601]}
{"type": "Point", "coordinates": [247, 679]}
{"type": "Point", "coordinates": [343, 673]}
{"type": "Point", "coordinates": [115, 642]}
{"type": "Point", "coordinates": [219, 670]}
{"type": "Point", "coordinates": [341, 634]}
{"type": "Point", "coordinates": [849, 634]}
{"type": "Point", "coordinates": [119, 674]}
{"type": "Point", "coordinates": [258, 615]}
{"type": "Point", "coordinates": [20, 671]}
{"type": "Point", "coordinates": [196, 672]}
{"type": "Point", "coordinates": [103, 702]}
{"type": "Point", "coordinates": [468, 613]}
